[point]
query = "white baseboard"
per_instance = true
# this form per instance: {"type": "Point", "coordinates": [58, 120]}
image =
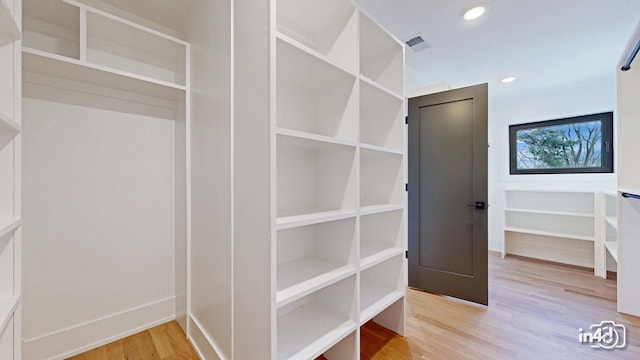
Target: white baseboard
{"type": "Point", "coordinates": [205, 346]}
{"type": "Point", "coordinates": [79, 338]}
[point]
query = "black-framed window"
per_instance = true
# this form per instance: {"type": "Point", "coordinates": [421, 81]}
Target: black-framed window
{"type": "Point", "coordinates": [581, 144]}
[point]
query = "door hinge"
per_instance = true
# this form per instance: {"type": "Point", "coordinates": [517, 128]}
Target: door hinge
{"type": "Point", "coordinates": [406, 254]}
{"type": "Point", "coordinates": [406, 187]}
{"type": "Point", "coordinates": [406, 120]}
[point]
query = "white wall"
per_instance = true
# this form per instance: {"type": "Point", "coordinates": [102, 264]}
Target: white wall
{"type": "Point", "coordinates": [99, 212]}
{"type": "Point", "coordinates": [210, 323]}
{"type": "Point", "coordinates": [587, 97]}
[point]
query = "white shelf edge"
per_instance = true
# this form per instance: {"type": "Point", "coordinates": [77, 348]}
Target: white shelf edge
{"type": "Point", "coordinates": [315, 137]}
{"type": "Point", "coordinates": [549, 212]}
{"type": "Point", "coordinates": [549, 233]}
{"type": "Point", "coordinates": [551, 191]}
{"type": "Point", "coordinates": [8, 23]}
{"type": "Point", "coordinates": [379, 306]}
{"type": "Point", "coordinates": [298, 291]}
{"type": "Point", "coordinates": [8, 307]}
{"type": "Point", "coordinates": [309, 51]}
{"type": "Point", "coordinates": [612, 220]}
{"type": "Point", "coordinates": [126, 22]}
{"type": "Point", "coordinates": [612, 248]}
{"type": "Point", "coordinates": [379, 86]}
{"type": "Point", "coordinates": [377, 209]}
{"type": "Point", "coordinates": [610, 193]}
{"type": "Point", "coordinates": [106, 69]}
{"type": "Point", "coordinates": [379, 257]}
{"type": "Point", "coordinates": [11, 226]}
{"type": "Point", "coordinates": [7, 123]}
{"type": "Point", "coordinates": [288, 222]}
{"type": "Point", "coordinates": [382, 149]}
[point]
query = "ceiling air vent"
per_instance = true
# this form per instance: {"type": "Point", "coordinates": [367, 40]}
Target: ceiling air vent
{"type": "Point", "coordinates": [417, 43]}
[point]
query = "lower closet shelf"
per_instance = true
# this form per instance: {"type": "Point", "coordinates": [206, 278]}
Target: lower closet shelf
{"type": "Point", "coordinates": [372, 254]}
{"type": "Point", "coordinates": [612, 247]}
{"type": "Point", "coordinates": [308, 331]}
{"type": "Point", "coordinates": [375, 298]}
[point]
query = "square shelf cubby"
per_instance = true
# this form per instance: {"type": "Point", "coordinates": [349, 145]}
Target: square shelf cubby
{"type": "Point", "coordinates": [313, 324]}
{"type": "Point", "coordinates": [381, 56]}
{"type": "Point", "coordinates": [315, 179]}
{"type": "Point", "coordinates": [328, 27]}
{"type": "Point", "coordinates": [381, 237]}
{"type": "Point", "coordinates": [314, 96]}
{"type": "Point", "coordinates": [380, 286]}
{"type": "Point", "coordinates": [381, 118]}
{"type": "Point", "coordinates": [52, 26]}
{"type": "Point", "coordinates": [310, 257]}
{"type": "Point", "coordinates": [381, 178]}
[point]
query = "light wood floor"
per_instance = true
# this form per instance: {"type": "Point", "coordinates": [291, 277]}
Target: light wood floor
{"type": "Point", "coordinates": [535, 310]}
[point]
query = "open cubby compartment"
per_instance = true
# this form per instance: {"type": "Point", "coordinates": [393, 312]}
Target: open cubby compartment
{"type": "Point", "coordinates": [381, 178]}
{"type": "Point", "coordinates": [558, 201]}
{"type": "Point", "coordinates": [314, 177]}
{"type": "Point", "coordinates": [381, 118]}
{"type": "Point", "coordinates": [314, 96]}
{"type": "Point", "coordinates": [345, 349]}
{"type": "Point", "coordinates": [611, 205]}
{"type": "Point", "coordinates": [381, 237]}
{"type": "Point", "coordinates": [579, 227]}
{"type": "Point", "coordinates": [313, 324]}
{"type": "Point", "coordinates": [328, 27]}
{"type": "Point", "coordinates": [381, 56]}
{"type": "Point", "coordinates": [6, 265]}
{"type": "Point", "coordinates": [118, 45]}
{"type": "Point", "coordinates": [313, 256]}
{"type": "Point", "coordinates": [380, 286]}
{"type": "Point", "coordinates": [52, 26]}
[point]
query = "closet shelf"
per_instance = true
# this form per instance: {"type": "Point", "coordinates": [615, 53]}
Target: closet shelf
{"type": "Point", "coordinates": [315, 137]}
{"type": "Point", "coordinates": [549, 233]}
{"type": "Point", "coordinates": [8, 306]}
{"type": "Point", "coordinates": [7, 228]}
{"type": "Point", "coordinates": [612, 220]}
{"type": "Point", "coordinates": [380, 87]}
{"type": "Point", "coordinates": [550, 212]}
{"type": "Point", "coordinates": [382, 149]}
{"type": "Point", "coordinates": [302, 277]}
{"type": "Point", "coordinates": [311, 218]}
{"type": "Point", "coordinates": [51, 64]}
{"type": "Point", "coordinates": [9, 30]}
{"type": "Point", "coordinates": [8, 124]}
{"type": "Point", "coordinates": [377, 209]}
{"type": "Point", "coordinates": [611, 193]}
{"type": "Point", "coordinates": [375, 298]}
{"type": "Point", "coordinates": [372, 254]}
{"type": "Point", "coordinates": [612, 248]}
{"type": "Point", "coordinates": [305, 333]}
{"type": "Point", "coordinates": [311, 52]}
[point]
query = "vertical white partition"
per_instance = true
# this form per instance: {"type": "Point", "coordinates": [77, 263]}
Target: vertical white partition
{"type": "Point", "coordinates": [10, 181]}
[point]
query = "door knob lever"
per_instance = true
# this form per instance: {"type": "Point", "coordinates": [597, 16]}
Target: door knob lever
{"type": "Point", "coordinates": [480, 205]}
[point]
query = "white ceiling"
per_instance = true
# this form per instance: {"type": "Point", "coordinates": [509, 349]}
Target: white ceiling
{"type": "Point", "coordinates": [544, 43]}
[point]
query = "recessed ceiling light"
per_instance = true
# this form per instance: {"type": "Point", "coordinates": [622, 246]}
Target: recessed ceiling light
{"type": "Point", "coordinates": [474, 13]}
{"type": "Point", "coordinates": [508, 79]}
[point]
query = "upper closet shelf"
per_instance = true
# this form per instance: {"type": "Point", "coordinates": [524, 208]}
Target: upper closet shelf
{"type": "Point", "coordinates": [8, 124]}
{"type": "Point", "coordinates": [73, 41]}
{"type": "Point", "coordinates": [42, 62]}
{"type": "Point", "coordinates": [9, 30]}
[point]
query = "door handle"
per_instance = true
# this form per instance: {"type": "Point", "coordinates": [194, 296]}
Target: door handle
{"type": "Point", "coordinates": [480, 205]}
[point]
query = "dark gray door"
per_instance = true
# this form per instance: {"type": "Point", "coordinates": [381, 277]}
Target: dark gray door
{"type": "Point", "coordinates": [448, 193]}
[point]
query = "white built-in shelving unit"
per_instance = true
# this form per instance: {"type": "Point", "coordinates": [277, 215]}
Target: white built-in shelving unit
{"type": "Point", "coordinates": [340, 217]}
{"type": "Point", "coordinates": [557, 225]}
{"type": "Point", "coordinates": [119, 135]}
{"type": "Point", "coordinates": [10, 180]}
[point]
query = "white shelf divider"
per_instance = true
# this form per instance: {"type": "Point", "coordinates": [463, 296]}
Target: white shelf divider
{"type": "Point", "coordinates": [9, 227]}
{"type": "Point", "coordinates": [612, 220]}
{"type": "Point", "coordinates": [307, 275]}
{"type": "Point", "coordinates": [550, 212]}
{"type": "Point", "coordinates": [8, 124]}
{"type": "Point", "coordinates": [382, 149]}
{"type": "Point", "coordinates": [8, 306]}
{"type": "Point", "coordinates": [9, 30]}
{"type": "Point", "coordinates": [287, 222]}
{"type": "Point", "coordinates": [377, 209]}
{"type": "Point", "coordinates": [376, 253]}
{"type": "Point", "coordinates": [315, 137]}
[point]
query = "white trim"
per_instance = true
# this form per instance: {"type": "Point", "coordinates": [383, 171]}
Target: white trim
{"type": "Point", "coordinates": [213, 345]}
{"type": "Point", "coordinates": [73, 340]}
